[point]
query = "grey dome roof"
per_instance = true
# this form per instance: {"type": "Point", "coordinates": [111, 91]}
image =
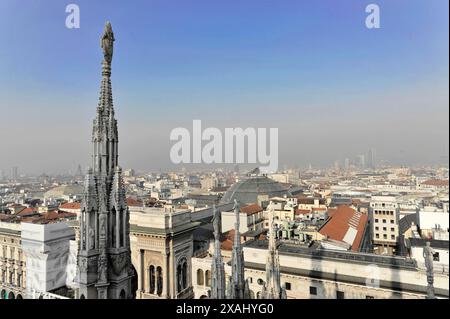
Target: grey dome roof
{"type": "Point", "coordinates": [246, 191]}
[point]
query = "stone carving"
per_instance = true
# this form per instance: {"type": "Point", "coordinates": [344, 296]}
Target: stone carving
{"type": "Point", "coordinates": [91, 238]}
{"type": "Point", "coordinates": [118, 263]}
{"type": "Point", "coordinates": [428, 253]}
{"type": "Point", "coordinates": [107, 42]}
{"type": "Point", "coordinates": [82, 264]}
{"type": "Point", "coordinates": [102, 268]}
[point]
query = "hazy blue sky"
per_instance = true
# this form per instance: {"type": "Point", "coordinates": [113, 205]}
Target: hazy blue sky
{"type": "Point", "coordinates": [311, 68]}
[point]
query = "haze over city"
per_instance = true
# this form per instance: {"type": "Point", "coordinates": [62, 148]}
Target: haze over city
{"type": "Point", "coordinates": [331, 86]}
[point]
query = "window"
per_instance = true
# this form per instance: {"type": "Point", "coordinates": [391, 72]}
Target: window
{"type": "Point", "coordinates": [208, 278]}
{"type": "Point", "coordinates": [313, 291]}
{"type": "Point", "coordinates": [384, 228]}
{"type": "Point", "coordinates": [384, 221]}
{"type": "Point", "coordinates": [339, 295]}
{"type": "Point", "coordinates": [377, 228]}
{"type": "Point", "coordinates": [377, 235]}
{"type": "Point", "coordinates": [392, 229]}
{"type": "Point", "coordinates": [392, 236]}
{"type": "Point", "coordinates": [200, 277]}
{"type": "Point", "coordinates": [392, 221]}
{"type": "Point", "coordinates": [370, 297]}
{"type": "Point", "coordinates": [384, 236]}
{"type": "Point", "coordinates": [376, 220]}
{"type": "Point", "coordinates": [288, 285]}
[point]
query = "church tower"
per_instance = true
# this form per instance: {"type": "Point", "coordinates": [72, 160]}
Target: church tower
{"type": "Point", "coordinates": [272, 288]}
{"type": "Point", "coordinates": [217, 266]}
{"type": "Point", "coordinates": [237, 285]}
{"type": "Point", "coordinates": [104, 269]}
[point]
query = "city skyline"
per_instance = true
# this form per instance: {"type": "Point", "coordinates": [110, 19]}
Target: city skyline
{"type": "Point", "coordinates": [334, 88]}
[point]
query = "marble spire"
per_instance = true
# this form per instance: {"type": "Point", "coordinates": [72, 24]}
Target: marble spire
{"type": "Point", "coordinates": [217, 266]}
{"type": "Point", "coordinates": [237, 285]}
{"type": "Point", "coordinates": [272, 287]}
{"type": "Point", "coordinates": [104, 256]}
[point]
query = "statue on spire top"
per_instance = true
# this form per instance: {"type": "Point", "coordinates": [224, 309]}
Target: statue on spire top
{"type": "Point", "coordinates": [107, 42]}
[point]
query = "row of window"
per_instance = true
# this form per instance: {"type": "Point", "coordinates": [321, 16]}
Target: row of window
{"type": "Point", "coordinates": [384, 236]}
{"type": "Point", "coordinates": [385, 221]}
{"type": "Point", "coordinates": [384, 212]}
{"type": "Point", "coordinates": [384, 228]}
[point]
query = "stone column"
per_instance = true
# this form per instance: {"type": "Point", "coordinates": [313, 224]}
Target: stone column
{"type": "Point", "coordinates": [165, 277]}
{"type": "Point", "coordinates": [124, 228]}
{"type": "Point", "coordinates": [87, 216]}
{"type": "Point", "coordinates": [96, 234]}
{"type": "Point", "coordinates": [118, 228]}
{"type": "Point", "coordinates": [82, 219]}
{"type": "Point", "coordinates": [141, 270]}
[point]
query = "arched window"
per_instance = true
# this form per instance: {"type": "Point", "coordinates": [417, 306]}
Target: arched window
{"type": "Point", "coordinates": [208, 278]}
{"type": "Point", "coordinates": [179, 280]}
{"type": "Point", "coordinates": [19, 296]}
{"type": "Point", "coordinates": [11, 295]}
{"type": "Point", "coordinates": [252, 294]}
{"type": "Point", "coordinates": [184, 274]}
{"type": "Point", "coordinates": [151, 277]}
{"type": "Point", "coordinates": [3, 294]}
{"type": "Point", "coordinates": [159, 281]}
{"type": "Point", "coordinates": [122, 294]}
{"type": "Point", "coordinates": [81, 297]}
{"type": "Point", "coordinates": [200, 277]}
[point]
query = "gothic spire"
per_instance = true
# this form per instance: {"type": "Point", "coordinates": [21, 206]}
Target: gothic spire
{"type": "Point", "coordinates": [272, 287]}
{"type": "Point", "coordinates": [104, 256]}
{"type": "Point", "coordinates": [105, 133]}
{"type": "Point", "coordinates": [217, 266]}
{"type": "Point", "coordinates": [238, 286]}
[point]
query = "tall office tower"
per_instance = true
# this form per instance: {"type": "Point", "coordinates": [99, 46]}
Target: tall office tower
{"type": "Point", "coordinates": [104, 258]}
{"type": "Point", "coordinates": [347, 164]}
{"type": "Point", "coordinates": [361, 161]}
{"type": "Point", "coordinates": [14, 173]}
{"type": "Point", "coordinates": [371, 158]}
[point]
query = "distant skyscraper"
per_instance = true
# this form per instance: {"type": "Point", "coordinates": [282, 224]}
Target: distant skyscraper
{"type": "Point", "coordinates": [361, 161]}
{"type": "Point", "coordinates": [336, 165]}
{"type": "Point", "coordinates": [347, 164]}
{"type": "Point", "coordinates": [104, 257]}
{"type": "Point", "coordinates": [14, 173]}
{"type": "Point", "coordinates": [371, 158]}
{"type": "Point", "coordinates": [79, 172]}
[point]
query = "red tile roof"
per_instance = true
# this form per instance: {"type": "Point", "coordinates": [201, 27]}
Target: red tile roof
{"type": "Point", "coordinates": [134, 202]}
{"type": "Point", "coordinates": [251, 209]}
{"type": "Point", "coordinates": [436, 182]}
{"type": "Point", "coordinates": [28, 211]}
{"type": "Point", "coordinates": [345, 221]}
{"type": "Point", "coordinates": [302, 212]}
{"type": "Point", "coordinates": [74, 205]}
